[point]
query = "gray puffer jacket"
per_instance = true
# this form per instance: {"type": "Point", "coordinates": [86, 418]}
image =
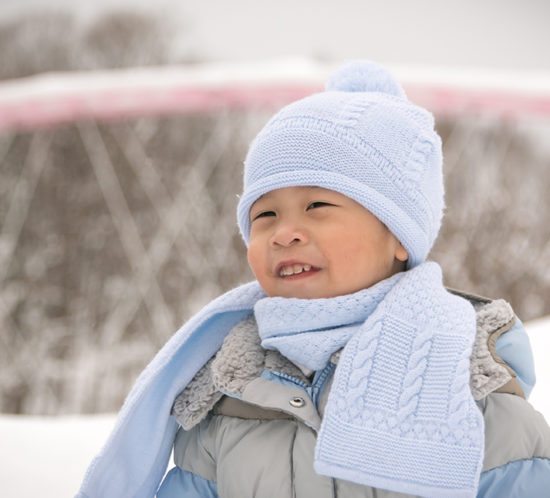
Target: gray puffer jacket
{"type": "Point", "coordinates": [249, 420]}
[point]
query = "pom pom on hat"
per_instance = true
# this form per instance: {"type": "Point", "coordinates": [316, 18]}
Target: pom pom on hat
{"type": "Point", "coordinates": [364, 76]}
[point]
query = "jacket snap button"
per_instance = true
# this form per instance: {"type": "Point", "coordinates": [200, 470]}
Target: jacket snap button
{"type": "Point", "coordinates": [297, 402]}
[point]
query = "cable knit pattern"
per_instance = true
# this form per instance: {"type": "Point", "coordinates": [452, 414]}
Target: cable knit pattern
{"type": "Point", "coordinates": [412, 382]}
{"type": "Point", "coordinates": [400, 414]}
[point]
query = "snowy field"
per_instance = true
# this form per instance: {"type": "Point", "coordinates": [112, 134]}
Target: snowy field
{"type": "Point", "coordinates": [47, 457]}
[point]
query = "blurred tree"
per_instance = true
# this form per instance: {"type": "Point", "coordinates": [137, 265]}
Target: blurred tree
{"type": "Point", "coordinates": [36, 42]}
{"type": "Point", "coordinates": [50, 40]}
{"type": "Point", "coordinates": [123, 39]}
{"type": "Point", "coordinates": [495, 238]}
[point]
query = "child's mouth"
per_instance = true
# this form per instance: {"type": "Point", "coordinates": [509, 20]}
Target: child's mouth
{"type": "Point", "coordinates": [299, 276]}
{"type": "Point", "coordinates": [297, 271]}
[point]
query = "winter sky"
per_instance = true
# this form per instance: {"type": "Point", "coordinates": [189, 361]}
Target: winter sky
{"type": "Point", "coordinates": [491, 33]}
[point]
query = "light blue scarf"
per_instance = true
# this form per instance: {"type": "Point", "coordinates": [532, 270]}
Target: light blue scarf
{"type": "Point", "coordinates": [400, 415]}
{"type": "Point", "coordinates": [309, 331]}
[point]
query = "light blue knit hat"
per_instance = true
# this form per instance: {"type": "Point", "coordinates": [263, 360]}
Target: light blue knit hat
{"type": "Point", "coordinates": [363, 138]}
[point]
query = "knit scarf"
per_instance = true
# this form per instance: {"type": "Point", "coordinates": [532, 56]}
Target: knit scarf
{"type": "Point", "coordinates": [400, 414]}
{"type": "Point", "coordinates": [309, 331]}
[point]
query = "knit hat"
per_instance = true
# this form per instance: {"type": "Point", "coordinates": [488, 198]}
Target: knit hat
{"type": "Point", "coordinates": [363, 138]}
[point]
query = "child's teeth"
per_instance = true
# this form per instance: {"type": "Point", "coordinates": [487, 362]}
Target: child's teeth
{"type": "Point", "coordinates": [294, 270]}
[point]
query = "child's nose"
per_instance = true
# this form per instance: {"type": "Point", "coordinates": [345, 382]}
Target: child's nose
{"type": "Point", "coordinates": [287, 234]}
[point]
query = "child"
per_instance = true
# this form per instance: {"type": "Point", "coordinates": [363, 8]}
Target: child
{"type": "Point", "coordinates": [346, 369]}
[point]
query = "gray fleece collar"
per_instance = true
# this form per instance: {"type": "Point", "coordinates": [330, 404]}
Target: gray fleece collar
{"type": "Point", "coordinates": [240, 360]}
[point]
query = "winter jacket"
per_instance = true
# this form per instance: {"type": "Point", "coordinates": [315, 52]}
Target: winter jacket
{"type": "Point", "coordinates": [249, 420]}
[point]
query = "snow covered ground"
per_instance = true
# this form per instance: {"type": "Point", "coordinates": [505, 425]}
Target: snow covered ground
{"type": "Point", "coordinates": [47, 457]}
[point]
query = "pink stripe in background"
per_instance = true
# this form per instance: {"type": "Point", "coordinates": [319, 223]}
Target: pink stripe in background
{"type": "Point", "coordinates": [101, 104]}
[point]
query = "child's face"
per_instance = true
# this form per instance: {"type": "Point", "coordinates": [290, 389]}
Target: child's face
{"type": "Point", "coordinates": [310, 242]}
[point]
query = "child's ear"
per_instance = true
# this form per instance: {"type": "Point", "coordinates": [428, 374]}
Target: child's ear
{"type": "Point", "coordinates": [400, 252]}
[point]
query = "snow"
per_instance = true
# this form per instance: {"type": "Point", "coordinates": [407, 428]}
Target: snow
{"type": "Point", "coordinates": [47, 457]}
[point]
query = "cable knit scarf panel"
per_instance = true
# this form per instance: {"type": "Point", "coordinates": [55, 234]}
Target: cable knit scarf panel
{"type": "Point", "coordinates": [400, 414]}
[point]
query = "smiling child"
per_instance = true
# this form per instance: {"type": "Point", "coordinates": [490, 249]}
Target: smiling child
{"type": "Point", "coordinates": [346, 369]}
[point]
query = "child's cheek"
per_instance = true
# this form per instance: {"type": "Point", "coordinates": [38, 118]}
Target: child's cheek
{"type": "Point", "coordinates": [255, 257]}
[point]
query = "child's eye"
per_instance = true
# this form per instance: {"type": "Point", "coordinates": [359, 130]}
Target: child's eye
{"type": "Point", "coordinates": [318, 204]}
{"type": "Point", "coordinates": [264, 214]}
